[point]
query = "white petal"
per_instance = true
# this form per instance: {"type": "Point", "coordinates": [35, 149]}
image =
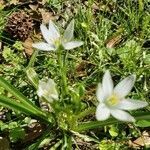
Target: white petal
{"type": "Point", "coordinates": [124, 87]}
{"type": "Point", "coordinates": [54, 32]}
{"type": "Point", "coordinates": [46, 33]}
{"type": "Point", "coordinates": [40, 92]}
{"type": "Point", "coordinates": [47, 89]}
{"type": "Point", "coordinates": [43, 46]}
{"type": "Point", "coordinates": [99, 93]}
{"type": "Point", "coordinates": [129, 104]}
{"type": "Point", "coordinates": [107, 84]}
{"type": "Point", "coordinates": [122, 115]}
{"type": "Point", "coordinates": [102, 112]}
{"type": "Point", "coordinates": [71, 45]}
{"type": "Point", "coordinates": [41, 87]}
{"type": "Point", "coordinates": [68, 35]}
{"type": "Point", "coordinates": [51, 85]}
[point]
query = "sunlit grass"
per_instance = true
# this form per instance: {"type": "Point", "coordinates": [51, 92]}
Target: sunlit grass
{"type": "Point", "coordinates": [116, 37]}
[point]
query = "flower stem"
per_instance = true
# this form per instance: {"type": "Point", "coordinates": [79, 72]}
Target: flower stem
{"type": "Point", "coordinates": [32, 60]}
{"type": "Point", "coordinates": [62, 69]}
{"type": "Point", "coordinates": [97, 124]}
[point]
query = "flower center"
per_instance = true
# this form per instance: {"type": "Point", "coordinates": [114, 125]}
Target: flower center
{"type": "Point", "coordinates": [112, 100]}
{"type": "Point", "coordinates": [57, 42]}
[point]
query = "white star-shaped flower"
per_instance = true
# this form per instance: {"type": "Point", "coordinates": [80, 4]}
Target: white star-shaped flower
{"type": "Point", "coordinates": [47, 90]}
{"type": "Point", "coordinates": [54, 39]}
{"type": "Point", "coordinates": [112, 99]}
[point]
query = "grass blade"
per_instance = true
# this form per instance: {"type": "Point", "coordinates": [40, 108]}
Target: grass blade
{"type": "Point", "coordinates": [14, 105]}
{"type": "Point", "coordinates": [19, 95]}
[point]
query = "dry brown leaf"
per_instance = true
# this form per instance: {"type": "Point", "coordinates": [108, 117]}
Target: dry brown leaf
{"type": "Point", "coordinates": [4, 144]}
{"type": "Point", "coordinates": [144, 140]}
{"type": "Point", "coordinates": [81, 69]}
{"type": "Point", "coordinates": [46, 16]}
{"type": "Point", "coordinates": [98, 6]}
{"type": "Point", "coordinates": [15, 2]}
{"type": "Point", "coordinates": [44, 2]}
{"type": "Point", "coordinates": [34, 132]}
{"type": "Point", "coordinates": [95, 6]}
{"type": "Point", "coordinates": [28, 46]}
{"type": "Point", "coordinates": [1, 2]}
{"type": "Point", "coordinates": [113, 41]}
{"type": "Point", "coordinates": [34, 7]}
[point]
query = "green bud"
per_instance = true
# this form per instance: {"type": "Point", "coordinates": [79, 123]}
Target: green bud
{"type": "Point", "coordinates": [33, 77]}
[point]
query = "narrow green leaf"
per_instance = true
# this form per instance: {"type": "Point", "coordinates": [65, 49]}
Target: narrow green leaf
{"type": "Point", "coordinates": [14, 91]}
{"type": "Point", "coordinates": [98, 124]}
{"type": "Point", "coordinates": [14, 105]}
{"type": "Point", "coordinates": [143, 123]}
{"type": "Point", "coordinates": [19, 95]}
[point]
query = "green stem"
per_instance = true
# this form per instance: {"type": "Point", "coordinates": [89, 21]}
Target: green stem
{"type": "Point", "coordinates": [69, 143]}
{"type": "Point", "coordinates": [62, 72]}
{"type": "Point", "coordinates": [32, 60]}
{"type": "Point", "coordinates": [97, 124]}
{"type": "Point", "coordinates": [141, 5]}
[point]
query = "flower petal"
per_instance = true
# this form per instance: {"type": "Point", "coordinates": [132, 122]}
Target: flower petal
{"type": "Point", "coordinates": [46, 33]}
{"type": "Point", "coordinates": [41, 87]}
{"type": "Point", "coordinates": [47, 89]}
{"type": "Point", "coordinates": [54, 32]}
{"type": "Point", "coordinates": [51, 87]}
{"type": "Point", "coordinates": [99, 93]}
{"type": "Point", "coordinates": [129, 104]}
{"type": "Point", "coordinates": [122, 115]}
{"type": "Point", "coordinates": [107, 85]}
{"type": "Point", "coordinates": [71, 45]}
{"type": "Point", "coordinates": [102, 112]}
{"type": "Point", "coordinates": [124, 87]}
{"type": "Point", "coordinates": [43, 46]}
{"type": "Point", "coordinates": [68, 35]}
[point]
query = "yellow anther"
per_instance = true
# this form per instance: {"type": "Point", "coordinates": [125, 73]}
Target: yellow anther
{"type": "Point", "coordinates": [113, 100]}
{"type": "Point", "coordinates": [57, 42]}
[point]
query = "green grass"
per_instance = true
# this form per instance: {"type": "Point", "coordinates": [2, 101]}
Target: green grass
{"type": "Point", "coordinates": [98, 24]}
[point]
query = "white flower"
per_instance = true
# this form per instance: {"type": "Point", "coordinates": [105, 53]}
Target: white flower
{"type": "Point", "coordinates": [47, 90]}
{"type": "Point", "coordinates": [54, 39]}
{"type": "Point", "coordinates": [112, 99]}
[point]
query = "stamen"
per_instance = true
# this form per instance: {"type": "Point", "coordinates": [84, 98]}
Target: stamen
{"type": "Point", "coordinates": [112, 100]}
{"type": "Point", "coordinates": [57, 42]}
